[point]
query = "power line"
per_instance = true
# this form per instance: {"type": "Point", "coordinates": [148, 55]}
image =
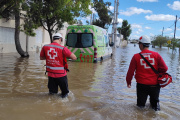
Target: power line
{"type": "Point", "coordinates": [171, 25]}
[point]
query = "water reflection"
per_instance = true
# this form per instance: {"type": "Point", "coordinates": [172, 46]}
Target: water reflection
{"type": "Point", "coordinates": [98, 91]}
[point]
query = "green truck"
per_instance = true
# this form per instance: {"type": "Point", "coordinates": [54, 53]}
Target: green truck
{"type": "Point", "coordinates": [89, 43]}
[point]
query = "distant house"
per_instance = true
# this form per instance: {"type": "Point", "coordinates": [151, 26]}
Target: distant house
{"type": "Point", "coordinates": [118, 39]}
{"type": "Point", "coordinates": [134, 41]}
{"type": "Point", "coordinates": [7, 44]}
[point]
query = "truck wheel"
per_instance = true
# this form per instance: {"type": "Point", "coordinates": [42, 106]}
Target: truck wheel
{"type": "Point", "coordinates": [101, 58]}
{"type": "Point", "coordinates": [111, 55]}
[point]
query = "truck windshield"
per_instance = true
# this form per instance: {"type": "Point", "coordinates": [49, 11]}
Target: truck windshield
{"type": "Point", "coordinates": [79, 40]}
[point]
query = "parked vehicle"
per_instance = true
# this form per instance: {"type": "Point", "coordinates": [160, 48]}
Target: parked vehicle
{"type": "Point", "coordinates": [89, 43]}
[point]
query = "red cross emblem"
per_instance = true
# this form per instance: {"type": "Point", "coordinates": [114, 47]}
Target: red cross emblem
{"type": "Point", "coordinates": [151, 61]}
{"type": "Point", "coordinates": [52, 53]}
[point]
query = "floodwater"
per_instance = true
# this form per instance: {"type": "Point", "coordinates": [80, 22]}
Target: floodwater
{"type": "Point", "coordinates": [98, 91]}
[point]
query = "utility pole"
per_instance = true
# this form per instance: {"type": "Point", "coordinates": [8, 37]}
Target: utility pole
{"type": "Point", "coordinates": [113, 23]}
{"type": "Point", "coordinates": [114, 29]}
{"type": "Point", "coordinates": [162, 31]}
{"type": "Point", "coordinates": [174, 32]}
{"type": "Point", "coordinates": [175, 28]}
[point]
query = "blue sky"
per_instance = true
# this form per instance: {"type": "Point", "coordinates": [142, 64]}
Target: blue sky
{"type": "Point", "coordinates": [148, 17]}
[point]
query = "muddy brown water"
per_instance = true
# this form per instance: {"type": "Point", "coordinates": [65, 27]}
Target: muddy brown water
{"type": "Point", "coordinates": [97, 91]}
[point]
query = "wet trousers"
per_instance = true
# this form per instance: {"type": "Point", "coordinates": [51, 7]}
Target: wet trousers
{"type": "Point", "coordinates": [53, 84]}
{"type": "Point", "coordinates": [142, 93]}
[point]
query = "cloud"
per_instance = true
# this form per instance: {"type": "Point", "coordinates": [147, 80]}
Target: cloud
{"type": "Point", "coordinates": [92, 9]}
{"type": "Point", "coordinates": [172, 34]}
{"type": "Point", "coordinates": [175, 5]}
{"type": "Point", "coordinates": [178, 37]}
{"type": "Point", "coordinates": [111, 8]}
{"type": "Point", "coordinates": [120, 20]}
{"type": "Point", "coordinates": [160, 17]}
{"type": "Point", "coordinates": [137, 32]}
{"type": "Point", "coordinates": [168, 29]}
{"type": "Point", "coordinates": [136, 29]}
{"type": "Point", "coordinates": [133, 10]}
{"type": "Point", "coordinates": [147, 0]}
{"type": "Point", "coordinates": [134, 26]}
{"type": "Point", "coordinates": [140, 30]}
{"type": "Point", "coordinates": [134, 37]}
{"type": "Point", "coordinates": [147, 27]}
{"type": "Point", "coordinates": [151, 34]}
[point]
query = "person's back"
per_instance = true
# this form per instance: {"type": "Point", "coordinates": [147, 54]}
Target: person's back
{"type": "Point", "coordinates": [146, 78]}
{"type": "Point", "coordinates": [54, 58]}
{"type": "Point", "coordinates": [56, 65]}
{"type": "Point", "coordinates": [144, 74]}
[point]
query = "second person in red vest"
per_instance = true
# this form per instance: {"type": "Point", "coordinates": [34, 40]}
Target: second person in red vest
{"type": "Point", "coordinates": [56, 65]}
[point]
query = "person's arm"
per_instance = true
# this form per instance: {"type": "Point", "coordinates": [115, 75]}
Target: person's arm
{"type": "Point", "coordinates": [130, 72]}
{"type": "Point", "coordinates": [73, 57]}
{"type": "Point", "coordinates": [42, 58]}
{"type": "Point", "coordinates": [69, 54]}
{"type": "Point", "coordinates": [162, 67]}
{"type": "Point", "coordinates": [42, 54]}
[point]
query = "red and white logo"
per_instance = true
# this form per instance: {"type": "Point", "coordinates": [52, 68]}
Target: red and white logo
{"type": "Point", "coordinates": [52, 53]}
{"type": "Point", "coordinates": [151, 61]}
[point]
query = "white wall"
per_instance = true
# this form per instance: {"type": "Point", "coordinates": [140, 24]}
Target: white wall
{"type": "Point", "coordinates": [7, 43]}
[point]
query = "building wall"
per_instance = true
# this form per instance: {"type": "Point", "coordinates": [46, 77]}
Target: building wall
{"type": "Point", "coordinates": [7, 43]}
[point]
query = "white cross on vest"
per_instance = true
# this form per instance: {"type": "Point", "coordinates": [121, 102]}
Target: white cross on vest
{"type": "Point", "coordinates": [52, 53]}
{"type": "Point", "coordinates": [142, 62]}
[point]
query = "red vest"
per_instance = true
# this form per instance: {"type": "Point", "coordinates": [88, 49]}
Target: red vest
{"type": "Point", "coordinates": [54, 58]}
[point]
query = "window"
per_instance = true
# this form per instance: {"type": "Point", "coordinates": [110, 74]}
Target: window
{"type": "Point", "coordinates": [79, 40]}
{"type": "Point", "coordinates": [86, 40]}
{"type": "Point", "coordinates": [7, 35]}
{"type": "Point", "coordinates": [106, 40]}
{"type": "Point", "coordinates": [71, 40]}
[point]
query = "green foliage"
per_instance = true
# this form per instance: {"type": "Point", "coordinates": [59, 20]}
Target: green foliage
{"type": "Point", "coordinates": [125, 29]}
{"type": "Point", "coordinates": [175, 43]}
{"type": "Point", "coordinates": [160, 41]}
{"type": "Point", "coordinates": [51, 14]}
{"type": "Point", "coordinates": [178, 43]}
{"type": "Point", "coordinates": [98, 23]}
{"type": "Point", "coordinates": [7, 8]}
{"type": "Point", "coordinates": [104, 14]}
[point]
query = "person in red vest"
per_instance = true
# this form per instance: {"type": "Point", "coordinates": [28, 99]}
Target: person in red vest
{"type": "Point", "coordinates": [56, 65]}
{"type": "Point", "coordinates": [146, 78]}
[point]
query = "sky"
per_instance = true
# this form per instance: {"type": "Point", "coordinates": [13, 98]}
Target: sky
{"type": "Point", "coordinates": [147, 17]}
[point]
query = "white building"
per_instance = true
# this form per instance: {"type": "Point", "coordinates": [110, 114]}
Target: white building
{"type": "Point", "coordinates": [119, 39]}
{"type": "Point", "coordinates": [7, 42]}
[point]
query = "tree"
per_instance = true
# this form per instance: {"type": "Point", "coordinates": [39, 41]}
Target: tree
{"type": "Point", "coordinates": [125, 29]}
{"type": "Point", "coordinates": [9, 9]}
{"type": "Point", "coordinates": [51, 14]}
{"type": "Point", "coordinates": [103, 13]}
{"type": "Point", "coordinates": [87, 22]}
{"type": "Point", "coordinates": [160, 40]}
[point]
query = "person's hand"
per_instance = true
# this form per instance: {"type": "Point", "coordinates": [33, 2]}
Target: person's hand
{"type": "Point", "coordinates": [129, 86]}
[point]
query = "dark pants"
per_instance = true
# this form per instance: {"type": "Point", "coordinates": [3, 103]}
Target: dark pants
{"type": "Point", "coordinates": [142, 93]}
{"type": "Point", "coordinates": [53, 84]}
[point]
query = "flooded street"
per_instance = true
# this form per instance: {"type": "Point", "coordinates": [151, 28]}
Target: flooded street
{"type": "Point", "coordinates": [98, 91]}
